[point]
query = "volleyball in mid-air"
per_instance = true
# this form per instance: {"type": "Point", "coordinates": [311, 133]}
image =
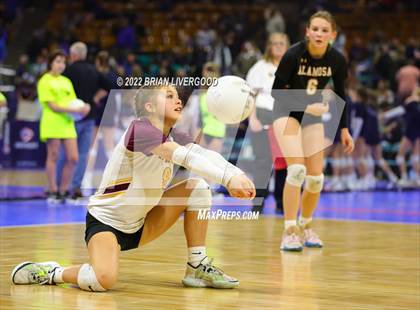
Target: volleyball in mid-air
{"type": "Point", "coordinates": [76, 103]}
{"type": "Point", "coordinates": [230, 100]}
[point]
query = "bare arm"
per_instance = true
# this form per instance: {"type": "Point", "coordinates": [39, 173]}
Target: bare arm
{"type": "Point", "coordinates": [59, 109]}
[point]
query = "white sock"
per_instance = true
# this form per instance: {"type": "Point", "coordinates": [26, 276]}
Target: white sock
{"type": "Point", "coordinates": [303, 221]}
{"type": "Point", "coordinates": [58, 275]}
{"type": "Point", "coordinates": [196, 254]}
{"type": "Point", "coordinates": [289, 223]}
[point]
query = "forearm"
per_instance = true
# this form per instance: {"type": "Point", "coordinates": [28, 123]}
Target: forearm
{"type": "Point", "coordinates": [59, 109]}
{"type": "Point", "coordinates": [206, 165]}
{"type": "Point", "coordinates": [215, 158]}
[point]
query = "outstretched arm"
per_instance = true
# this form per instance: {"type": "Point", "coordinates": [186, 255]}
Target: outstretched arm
{"type": "Point", "coordinates": [209, 165]}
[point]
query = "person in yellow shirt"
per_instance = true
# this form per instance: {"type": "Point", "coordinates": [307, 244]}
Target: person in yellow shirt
{"type": "Point", "coordinates": [55, 93]}
{"type": "Point", "coordinates": [3, 100]}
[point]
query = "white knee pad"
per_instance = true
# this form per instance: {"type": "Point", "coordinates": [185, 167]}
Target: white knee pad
{"type": "Point", "coordinates": [86, 279]}
{"type": "Point", "coordinates": [314, 183]}
{"type": "Point", "coordinates": [415, 159]}
{"type": "Point", "coordinates": [200, 197]}
{"type": "Point", "coordinates": [400, 160]}
{"type": "Point", "coordinates": [296, 174]}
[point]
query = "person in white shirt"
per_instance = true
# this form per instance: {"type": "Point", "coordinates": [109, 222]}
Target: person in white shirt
{"type": "Point", "coordinates": [136, 201]}
{"type": "Point", "coordinates": [261, 77]}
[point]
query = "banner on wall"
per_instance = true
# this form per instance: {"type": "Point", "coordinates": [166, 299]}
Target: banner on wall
{"type": "Point", "coordinates": [26, 150]}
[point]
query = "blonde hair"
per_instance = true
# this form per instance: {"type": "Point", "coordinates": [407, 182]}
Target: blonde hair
{"type": "Point", "coordinates": [324, 15]}
{"type": "Point", "coordinates": [268, 56]}
{"type": "Point", "coordinates": [147, 94]}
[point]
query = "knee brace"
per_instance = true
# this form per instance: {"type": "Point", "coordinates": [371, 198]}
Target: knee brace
{"type": "Point", "coordinates": [86, 279]}
{"type": "Point", "coordinates": [296, 174]}
{"type": "Point", "coordinates": [400, 160]}
{"type": "Point", "coordinates": [314, 183]}
{"type": "Point", "coordinates": [200, 197]}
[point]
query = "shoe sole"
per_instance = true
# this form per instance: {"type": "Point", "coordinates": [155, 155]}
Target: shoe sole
{"type": "Point", "coordinates": [200, 283]}
{"type": "Point", "coordinates": [292, 249]}
{"type": "Point", "coordinates": [313, 245]}
{"type": "Point", "coordinates": [21, 265]}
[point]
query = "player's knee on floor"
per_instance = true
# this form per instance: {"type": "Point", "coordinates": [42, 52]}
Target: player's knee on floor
{"type": "Point", "coordinates": [200, 197]}
{"type": "Point", "coordinates": [88, 280]}
{"type": "Point", "coordinates": [296, 174]}
{"type": "Point", "coordinates": [314, 183]}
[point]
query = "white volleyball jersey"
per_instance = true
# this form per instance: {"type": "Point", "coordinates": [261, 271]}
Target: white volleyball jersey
{"type": "Point", "coordinates": [261, 77]}
{"type": "Point", "coordinates": [134, 179]}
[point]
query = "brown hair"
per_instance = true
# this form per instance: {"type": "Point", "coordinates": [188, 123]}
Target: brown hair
{"type": "Point", "coordinates": [146, 94]}
{"type": "Point", "coordinates": [102, 60]}
{"type": "Point", "coordinates": [53, 56]}
{"type": "Point", "coordinates": [324, 15]}
{"type": "Point", "coordinates": [267, 53]}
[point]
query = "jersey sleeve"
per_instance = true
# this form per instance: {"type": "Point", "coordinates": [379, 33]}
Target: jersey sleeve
{"type": "Point", "coordinates": [339, 78]}
{"type": "Point", "coordinates": [45, 92]}
{"type": "Point", "coordinates": [285, 70]}
{"type": "Point", "coordinates": [143, 137]}
{"type": "Point", "coordinates": [182, 138]}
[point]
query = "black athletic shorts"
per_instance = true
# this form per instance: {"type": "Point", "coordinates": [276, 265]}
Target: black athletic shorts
{"type": "Point", "coordinates": [126, 241]}
{"type": "Point", "coordinates": [309, 118]}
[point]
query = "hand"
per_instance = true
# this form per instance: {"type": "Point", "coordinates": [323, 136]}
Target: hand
{"type": "Point", "coordinates": [255, 124]}
{"type": "Point", "coordinates": [240, 186]}
{"type": "Point", "coordinates": [317, 109]}
{"type": "Point", "coordinates": [84, 110]}
{"type": "Point", "coordinates": [347, 141]}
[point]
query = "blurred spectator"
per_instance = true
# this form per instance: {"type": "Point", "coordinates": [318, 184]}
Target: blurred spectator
{"type": "Point", "coordinates": [126, 35]}
{"type": "Point", "coordinates": [221, 55]}
{"type": "Point", "coordinates": [358, 50]}
{"type": "Point", "coordinates": [3, 38]}
{"type": "Point", "coordinates": [86, 81]}
{"type": "Point", "coordinates": [129, 64]}
{"type": "Point", "coordinates": [205, 37]}
{"type": "Point", "coordinates": [384, 95]}
{"type": "Point", "coordinates": [274, 21]}
{"type": "Point", "coordinates": [385, 66]}
{"type": "Point", "coordinates": [408, 79]}
{"type": "Point", "coordinates": [213, 130]}
{"type": "Point", "coordinates": [261, 77]}
{"type": "Point", "coordinates": [248, 56]}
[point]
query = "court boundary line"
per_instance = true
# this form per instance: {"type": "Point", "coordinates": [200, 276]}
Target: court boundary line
{"type": "Point", "coordinates": [263, 215]}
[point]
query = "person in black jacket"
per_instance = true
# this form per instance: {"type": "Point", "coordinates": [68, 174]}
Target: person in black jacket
{"type": "Point", "coordinates": [86, 81]}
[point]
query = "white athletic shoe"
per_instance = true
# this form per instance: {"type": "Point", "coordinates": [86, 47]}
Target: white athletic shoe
{"type": "Point", "coordinates": [207, 275]}
{"type": "Point", "coordinates": [404, 183]}
{"type": "Point", "coordinates": [34, 273]}
{"type": "Point", "coordinates": [311, 239]}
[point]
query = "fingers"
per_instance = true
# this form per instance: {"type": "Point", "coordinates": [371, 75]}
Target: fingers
{"type": "Point", "coordinates": [349, 147]}
{"type": "Point", "coordinates": [244, 190]}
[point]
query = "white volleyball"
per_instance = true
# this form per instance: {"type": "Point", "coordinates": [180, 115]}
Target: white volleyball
{"type": "Point", "coordinates": [230, 100]}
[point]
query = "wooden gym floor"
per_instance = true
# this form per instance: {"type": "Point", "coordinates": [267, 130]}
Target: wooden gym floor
{"type": "Point", "coordinates": [363, 266]}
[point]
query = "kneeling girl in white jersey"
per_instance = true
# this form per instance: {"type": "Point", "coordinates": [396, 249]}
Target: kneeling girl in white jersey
{"type": "Point", "coordinates": [135, 202]}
